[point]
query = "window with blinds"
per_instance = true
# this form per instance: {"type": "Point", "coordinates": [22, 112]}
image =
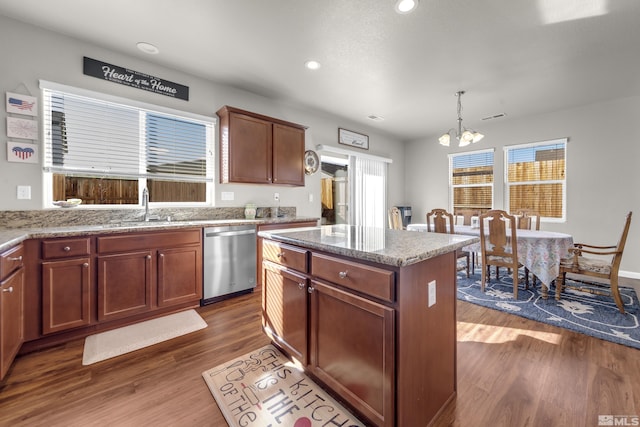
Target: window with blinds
{"type": "Point", "coordinates": [535, 178]}
{"type": "Point", "coordinates": [105, 152]}
{"type": "Point", "coordinates": [471, 180]}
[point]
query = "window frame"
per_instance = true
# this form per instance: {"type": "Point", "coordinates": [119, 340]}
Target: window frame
{"type": "Point", "coordinates": [210, 123]}
{"type": "Point", "coordinates": [453, 186]}
{"type": "Point", "coordinates": [507, 184]}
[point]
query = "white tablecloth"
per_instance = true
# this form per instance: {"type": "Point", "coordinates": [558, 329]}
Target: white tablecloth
{"type": "Point", "coordinates": [539, 251]}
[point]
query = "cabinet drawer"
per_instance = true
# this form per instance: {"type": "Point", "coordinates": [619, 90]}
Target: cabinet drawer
{"type": "Point", "coordinates": [65, 248]}
{"type": "Point", "coordinates": [11, 260]}
{"type": "Point", "coordinates": [133, 242]}
{"type": "Point", "coordinates": [369, 280]}
{"type": "Point", "coordinates": [287, 255]}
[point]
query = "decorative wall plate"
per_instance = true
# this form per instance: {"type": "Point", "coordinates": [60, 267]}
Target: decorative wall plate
{"type": "Point", "coordinates": [311, 162]}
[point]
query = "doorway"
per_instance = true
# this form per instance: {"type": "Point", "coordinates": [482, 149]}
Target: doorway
{"type": "Point", "coordinates": [334, 192]}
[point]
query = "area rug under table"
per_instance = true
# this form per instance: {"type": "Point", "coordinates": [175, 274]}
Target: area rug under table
{"type": "Point", "coordinates": [263, 388]}
{"type": "Point", "coordinates": [579, 311]}
{"type": "Point", "coordinates": [116, 342]}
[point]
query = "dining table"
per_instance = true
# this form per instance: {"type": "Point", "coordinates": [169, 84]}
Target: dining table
{"type": "Point", "coordinates": [538, 250]}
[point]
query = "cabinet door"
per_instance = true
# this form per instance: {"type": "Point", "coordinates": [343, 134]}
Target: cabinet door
{"type": "Point", "coordinates": [11, 319]}
{"type": "Point", "coordinates": [66, 294]}
{"type": "Point", "coordinates": [124, 284]}
{"type": "Point", "coordinates": [288, 155]}
{"type": "Point", "coordinates": [179, 275]}
{"type": "Point", "coordinates": [352, 350]}
{"type": "Point", "coordinates": [249, 149]}
{"type": "Point", "coordinates": [284, 309]}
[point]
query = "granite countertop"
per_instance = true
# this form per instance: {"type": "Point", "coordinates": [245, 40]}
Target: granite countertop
{"type": "Point", "coordinates": [383, 246]}
{"type": "Point", "coordinates": [10, 237]}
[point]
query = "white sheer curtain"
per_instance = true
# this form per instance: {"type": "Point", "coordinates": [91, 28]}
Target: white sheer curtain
{"type": "Point", "coordinates": [369, 189]}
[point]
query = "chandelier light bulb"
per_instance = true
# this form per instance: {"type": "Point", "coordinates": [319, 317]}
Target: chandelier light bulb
{"type": "Point", "coordinates": [463, 135]}
{"type": "Point", "coordinates": [445, 139]}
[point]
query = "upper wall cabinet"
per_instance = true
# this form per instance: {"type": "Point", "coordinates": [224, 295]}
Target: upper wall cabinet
{"type": "Point", "coordinates": [260, 150]}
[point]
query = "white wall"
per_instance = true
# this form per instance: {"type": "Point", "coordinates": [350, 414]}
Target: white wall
{"type": "Point", "coordinates": [30, 54]}
{"type": "Point", "coordinates": [603, 179]}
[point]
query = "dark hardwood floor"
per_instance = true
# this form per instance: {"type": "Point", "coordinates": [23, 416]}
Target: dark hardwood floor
{"type": "Point", "coordinates": [511, 372]}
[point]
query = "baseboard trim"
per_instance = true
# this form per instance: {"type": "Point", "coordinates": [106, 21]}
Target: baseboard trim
{"type": "Point", "coordinates": [629, 274]}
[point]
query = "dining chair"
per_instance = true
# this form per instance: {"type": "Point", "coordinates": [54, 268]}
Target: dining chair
{"type": "Point", "coordinates": [606, 269]}
{"type": "Point", "coordinates": [441, 221]}
{"type": "Point", "coordinates": [498, 245]}
{"type": "Point", "coordinates": [466, 215]}
{"type": "Point", "coordinates": [526, 218]}
{"type": "Point", "coordinates": [395, 219]}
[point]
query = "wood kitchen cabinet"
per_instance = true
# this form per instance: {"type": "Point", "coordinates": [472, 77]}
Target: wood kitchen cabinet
{"type": "Point", "coordinates": [271, 251]}
{"type": "Point", "coordinates": [284, 302]}
{"type": "Point", "coordinates": [11, 306]}
{"type": "Point", "coordinates": [66, 284]}
{"type": "Point", "coordinates": [138, 273]}
{"type": "Point", "coordinates": [375, 337]}
{"type": "Point", "coordinates": [259, 149]}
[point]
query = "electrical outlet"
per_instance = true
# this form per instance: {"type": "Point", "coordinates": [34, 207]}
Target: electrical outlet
{"type": "Point", "coordinates": [432, 293]}
{"type": "Point", "coordinates": [227, 195]}
{"type": "Point", "coordinates": [310, 197]}
{"type": "Point", "coordinates": [276, 197]}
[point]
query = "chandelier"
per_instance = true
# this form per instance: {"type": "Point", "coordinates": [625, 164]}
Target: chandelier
{"type": "Point", "coordinates": [463, 135]}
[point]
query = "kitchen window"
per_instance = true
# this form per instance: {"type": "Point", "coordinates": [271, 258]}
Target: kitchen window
{"type": "Point", "coordinates": [106, 150]}
{"type": "Point", "coordinates": [535, 178]}
{"type": "Point", "coordinates": [471, 180]}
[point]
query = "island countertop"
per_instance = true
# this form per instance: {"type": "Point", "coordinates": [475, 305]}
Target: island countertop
{"type": "Point", "coordinates": [379, 245]}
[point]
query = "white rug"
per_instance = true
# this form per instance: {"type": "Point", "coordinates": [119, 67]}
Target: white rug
{"type": "Point", "coordinates": [114, 343]}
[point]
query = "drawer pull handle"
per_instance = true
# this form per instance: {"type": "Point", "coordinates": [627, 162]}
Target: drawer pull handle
{"type": "Point", "coordinates": [301, 285]}
{"type": "Point", "coordinates": [66, 249]}
{"type": "Point", "coordinates": [19, 259]}
{"type": "Point", "coordinates": [342, 274]}
{"type": "Point", "coordinates": [310, 289]}
{"type": "Point", "coordinates": [280, 255]}
{"type": "Point", "coordinates": [9, 289]}
{"type": "Point", "coordinates": [85, 265]}
{"type": "Point", "coordinates": [148, 256]}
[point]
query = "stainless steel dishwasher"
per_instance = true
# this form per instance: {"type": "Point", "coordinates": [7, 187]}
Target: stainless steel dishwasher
{"type": "Point", "coordinates": [229, 261]}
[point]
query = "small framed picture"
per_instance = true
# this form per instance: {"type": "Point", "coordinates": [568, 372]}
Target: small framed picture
{"type": "Point", "coordinates": [22, 152]}
{"type": "Point", "coordinates": [353, 139]}
{"type": "Point", "coordinates": [22, 104]}
{"type": "Point", "coordinates": [22, 128]}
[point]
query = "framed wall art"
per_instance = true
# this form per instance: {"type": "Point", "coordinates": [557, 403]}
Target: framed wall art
{"type": "Point", "coordinates": [22, 152]}
{"type": "Point", "coordinates": [22, 104]}
{"type": "Point", "coordinates": [353, 139]}
{"type": "Point", "coordinates": [22, 128]}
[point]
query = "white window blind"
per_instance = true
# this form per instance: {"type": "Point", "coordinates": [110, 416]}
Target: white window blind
{"type": "Point", "coordinates": [471, 180]}
{"type": "Point", "coordinates": [535, 177]}
{"type": "Point", "coordinates": [95, 137]}
{"type": "Point", "coordinates": [369, 189]}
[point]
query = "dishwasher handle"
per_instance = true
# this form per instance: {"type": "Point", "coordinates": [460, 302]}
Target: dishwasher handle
{"type": "Point", "coordinates": [229, 233]}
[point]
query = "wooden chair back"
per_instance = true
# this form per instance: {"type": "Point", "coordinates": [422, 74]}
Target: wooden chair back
{"type": "Point", "coordinates": [466, 215]}
{"type": "Point", "coordinates": [440, 221]}
{"type": "Point", "coordinates": [498, 244]}
{"type": "Point", "coordinates": [526, 218]}
{"type": "Point", "coordinates": [596, 267]}
{"type": "Point", "coordinates": [395, 219]}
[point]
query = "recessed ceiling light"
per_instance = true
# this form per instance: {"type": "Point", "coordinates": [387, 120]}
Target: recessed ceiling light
{"type": "Point", "coordinates": [148, 48]}
{"type": "Point", "coordinates": [312, 65]}
{"type": "Point", "coordinates": [406, 6]}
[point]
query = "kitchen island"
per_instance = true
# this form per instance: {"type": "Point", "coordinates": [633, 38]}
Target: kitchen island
{"type": "Point", "coordinates": [369, 313]}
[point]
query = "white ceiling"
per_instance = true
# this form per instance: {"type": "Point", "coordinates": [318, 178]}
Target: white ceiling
{"type": "Point", "coordinates": [520, 57]}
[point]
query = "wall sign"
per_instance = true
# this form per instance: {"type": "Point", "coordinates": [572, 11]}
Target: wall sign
{"type": "Point", "coordinates": [22, 128]}
{"type": "Point", "coordinates": [22, 104]}
{"type": "Point", "coordinates": [124, 76]}
{"type": "Point", "coordinates": [354, 139]}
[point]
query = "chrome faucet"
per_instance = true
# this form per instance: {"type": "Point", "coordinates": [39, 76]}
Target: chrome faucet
{"type": "Point", "coordinates": [145, 203]}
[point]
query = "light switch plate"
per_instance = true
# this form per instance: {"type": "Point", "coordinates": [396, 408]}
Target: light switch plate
{"type": "Point", "coordinates": [432, 293]}
{"type": "Point", "coordinates": [24, 192]}
{"type": "Point", "coordinates": [227, 195]}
